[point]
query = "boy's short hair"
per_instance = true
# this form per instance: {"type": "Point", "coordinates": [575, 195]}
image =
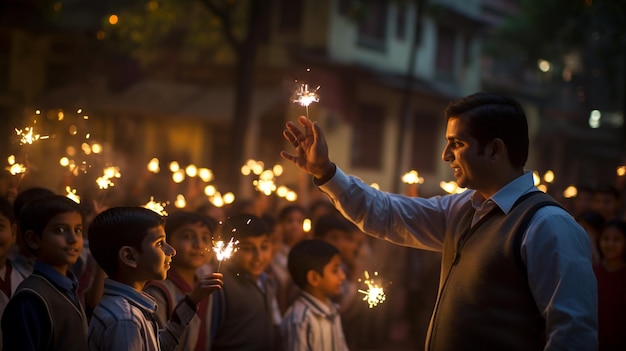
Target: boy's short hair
{"type": "Point", "coordinates": [28, 195]}
{"type": "Point", "coordinates": [117, 227]}
{"type": "Point", "coordinates": [178, 219]}
{"type": "Point", "coordinates": [6, 210]}
{"type": "Point", "coordinates": [306, 255]}
{"type": "Point", "coordinates": [37, 213]}
{"type": "Point", "coordinates": [289, 209]}
{"type": "Point", "coordinates": [244, 225]}
{"type": "Point", "coordinates": [329, 222]}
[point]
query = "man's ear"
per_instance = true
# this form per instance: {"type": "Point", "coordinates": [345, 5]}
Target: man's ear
{"type": "Point", "coordinates": [313, 278]}
{"type": "Point", "coordinates": [496, 149]}
{"type": "Point", "coordinates": [32, 240]}
{"type": "Point", "coordinates": [128, 256]}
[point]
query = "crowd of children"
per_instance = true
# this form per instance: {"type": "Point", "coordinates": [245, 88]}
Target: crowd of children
{"type": "Point", "coordinates": [128, 278]}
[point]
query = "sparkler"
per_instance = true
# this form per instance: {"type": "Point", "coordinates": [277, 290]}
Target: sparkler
{"type": "Point", "coordinates": [224, 251]}
{"type": "Point", "coordinates": [28, 136]}
{"type": "Point", "coordinates": [71, 194]}
{"type": "Point", "coordinates": [375, 293]}
{"type": "Point", "coordinates": [158, 207]}
{"type": "Point", "coordinates": [305, 97]}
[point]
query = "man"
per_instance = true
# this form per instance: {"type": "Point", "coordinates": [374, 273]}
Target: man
{"type": "Point", "coordinates": [516, 268]}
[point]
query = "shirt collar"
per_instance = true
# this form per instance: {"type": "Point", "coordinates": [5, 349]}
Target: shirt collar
{"type": "Point", "coordinates": [138, 298]}
{"type": "Point", "coordinates": [318, 307]}
{"type": "Point", "coordinates": [67, 282]}
{"type": "Point", "coordinates": [505, 197]}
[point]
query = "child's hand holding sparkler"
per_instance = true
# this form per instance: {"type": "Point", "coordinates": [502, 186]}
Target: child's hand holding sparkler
{"type": "Point", "coordinates": [205, 286]}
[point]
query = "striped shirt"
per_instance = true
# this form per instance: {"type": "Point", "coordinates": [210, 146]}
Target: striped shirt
{"type": "Point", "coordinates": [125, 320]}
{"type": "Point", "coordinates": [311, 325]}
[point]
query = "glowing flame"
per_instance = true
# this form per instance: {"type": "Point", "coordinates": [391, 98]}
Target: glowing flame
{"type": "Point", "coordinates": [412, 177]}
{"type": "Point", "coordinates": [28, 136]}
{"type": "Point", "coordinates": [375, 293]}
{"type": "Point", "coordinates": [224, 251]}
{"type": "Point", "coordinates": [158, 207]}
{"type": "Point", "coordinates": [304, 96]}
{"type": "Point", "coordinates": [71, 194]}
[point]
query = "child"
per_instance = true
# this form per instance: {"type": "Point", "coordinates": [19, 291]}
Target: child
{"type": "Point", "coordinates": [9, 278]}
{"type": "Point", "coordinates": [45, 312]}
{"type": "Point", "coordinates": [190, 234]}
{"type": "Point", "coordinates": [348, 239]}
{"type": "Point", "coordinates": [22, 258]}
{"type": "Point", "coordinates": [312, 322]}
{"type": "Point", "coordinates": [290, 228]}
{"type": "Point", "coordinates": [242, 311]}
{"type": "Point", "coordinates": [129, 245]}
{"type": "Point", "coordinates": [611, 277]}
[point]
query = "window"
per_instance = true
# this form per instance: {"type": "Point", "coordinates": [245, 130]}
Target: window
{"type": "Point", "coordinates": [367, 138]}
{"type": "Point", "coordinates": [445, 52]}
{"type": "Point", "coordinates": [423, 155]}
{"type": "Point", "coordinates": [372, 28]}
{"type": "Point", "coordinates": [401, 13]}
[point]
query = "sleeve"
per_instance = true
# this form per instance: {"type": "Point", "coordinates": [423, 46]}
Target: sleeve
{"type": "Point", "coordinates": [408, 221]}
{"type": "Point", "coordinates": [162, 302]}
{"type": "Point", "coordinates": [295, 334]}
{"type": "Point", "coordinates": [557, 252]}
{"type": "Point", "coordinates": [176, 325]}
{"type": "Point", "coordinates": [26, 323]}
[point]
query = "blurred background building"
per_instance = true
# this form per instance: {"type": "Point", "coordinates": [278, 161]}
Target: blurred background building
{"type": "Point", "coordinates": [210, 83]}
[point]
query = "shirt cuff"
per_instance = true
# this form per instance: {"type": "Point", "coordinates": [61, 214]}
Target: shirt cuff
{"type": "Point", "coordinates": [326, 177]}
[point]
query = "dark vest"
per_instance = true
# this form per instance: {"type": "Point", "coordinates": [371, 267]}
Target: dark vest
{"type": "Point", "coordinates": [69, 323]}
{"type": "Point", "coordinates": [484, 301]}
{"type": "Point", "coordinates": [246, 322]}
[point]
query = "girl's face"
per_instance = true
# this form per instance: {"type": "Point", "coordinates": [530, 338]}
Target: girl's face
{"type": "Point", "coordinates": [612, 244]}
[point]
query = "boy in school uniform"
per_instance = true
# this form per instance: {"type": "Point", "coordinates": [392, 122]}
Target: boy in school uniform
{"type": "Point", "coordinates": [242, 312]}
{"type": "Point", "coordinates": [45, 312]}
{"type": "Point", "coordinates": [129, 245]}
{"type": "Point", "coordinates": [313, 322]}
{"type": "Point", "coordinates": [191, 235]}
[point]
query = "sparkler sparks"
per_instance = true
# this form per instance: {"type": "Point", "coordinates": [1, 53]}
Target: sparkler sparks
{"type": "Point", "coordinates": [158, 207]}
{"type": "Point", "coordinates": [224, 251]}
{"type": "Point", "coordinates": [303, 96]}
{"type": "Point", "coordinates": [28, 136]}
{"type": "Point", "coordinates": [375, 293]}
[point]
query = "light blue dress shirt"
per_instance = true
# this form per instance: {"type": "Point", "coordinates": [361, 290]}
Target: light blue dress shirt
{"type": "Point", "coordinates": [555, 249]}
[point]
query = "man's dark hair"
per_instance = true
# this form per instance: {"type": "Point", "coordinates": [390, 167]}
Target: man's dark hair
{"type": "Point", "coordinates": [117, 227]}
{"type": "Point", "coordinates": [489, 116]}
{"type": "Point", "coordinates": [306, 255]}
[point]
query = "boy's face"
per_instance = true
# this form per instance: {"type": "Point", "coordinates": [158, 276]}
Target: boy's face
{"type": "Point", "coordinates": [7, 236]}
{"type": "Point", "coordinates": [292, 228]}
{"type": "Point", "coordinates": [347, 243]}
{"type": "Point", "coordinates": [192, 242]}
{"type": "Point", "coordinates": [61, 241]}
{"type": "Point", "coordinates": [254, 255]}
{"type": "Point", "coordinates": [330, 283]}
{"type": "Point", "coordinates": [155, 257]}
